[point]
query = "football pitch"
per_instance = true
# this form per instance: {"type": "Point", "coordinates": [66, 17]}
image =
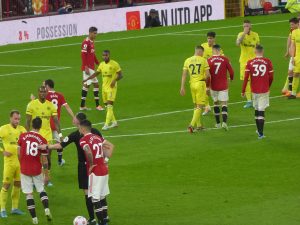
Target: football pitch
{"type": "Point", "coordinates": [159, 173]}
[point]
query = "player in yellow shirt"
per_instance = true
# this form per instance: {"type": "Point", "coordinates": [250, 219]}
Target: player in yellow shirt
{"type": "Point", "coordinates": [45, 110]}
{"type": "Point", "coordinates": [247, 41]}
{"type": "Point", "coordinates": [111, 73]}
{"type": "Point", "coordinates": [198, 69]}
{"type": "Point", "coordinates": [9, 135]}
{"type": "Point", "coordinates": [295, 54]}
{"type": "Point", "coordinates": [211, 40]}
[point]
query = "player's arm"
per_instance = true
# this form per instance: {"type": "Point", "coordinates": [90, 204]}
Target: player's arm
{"type": "Point", "coordinates": [28, 122]}
{"type": "Point", "coordinates": [230, 70]}
{"type": "Point", "coordinates": [207, 80]}
{"type": "Point", "coordinates": [89, 156]}
{"type": "Point", "coordinates": [246, 78]}
{"type": "Point", "coordinates": [183, 80]}
{"type": "Point", "coordinates": [84, 57]}
{"type": "Point", "coordinates": [240, 38]}
{"type": "Point", "coordinates": [108, 148]}
{"type": "Point", "coordinates": [119, 77]}
{"type": "Point", "coordinates": [271, 74]}
{"type": "Point", "coordinates": [91, 77]}
{"type": "Point", "coordinates": [69, 110]}
{"type": "Point", "coordinates": [293, 50]}
{"type": "Point", "coordinates": [45, 168]}
{"type": "Point", "coordinates": [57, 125]}
{"type": "Point", "coordinates": [288, 45]}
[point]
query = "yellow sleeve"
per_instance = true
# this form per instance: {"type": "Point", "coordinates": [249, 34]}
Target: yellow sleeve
{"type": "Point", "coordinates": [23, 130]}
{"type": "Point", "coordinates": [206, 66]}
{"type": "Point", "coordinates": [53, 110]}
{"type": "Point", "coordinates": [258, 41]}
{"type": "Point", "coordinates": [117, 67]}
{"type": "Point", "coordinates": [239, 35]}
{"type": "Point", "coordinates": [99, 68]}
{"type": "Point", "coordinates": [293, 36]}
{"type": "Point", "coordinates": [2, 132]}
{"type": "Point", "coordinates": [29, 109]}
{"type": "Point", "coordinates": [186, 65]}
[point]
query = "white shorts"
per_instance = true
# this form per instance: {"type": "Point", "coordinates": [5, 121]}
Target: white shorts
{"type": "Point", "coordinates": [260, 101]}
{"type": "Point", "coordinates": [98, 186]}
{"type": "Point", "coordinates": [55, 136]}
{"type": "Point", "coordinates": [85, 76]}
{"type": "Point", "coordinates": [291, 66]}
{"type": "Point", "coordinates": [27, 183]}
{"type": "Point", "coordinates": [221, 96]}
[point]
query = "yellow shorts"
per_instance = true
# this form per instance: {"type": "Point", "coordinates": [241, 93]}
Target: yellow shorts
{"type": "Point", "coordinates": [47, 134]}
{"type": "Point", "coordinates": [242, 70]}
{"type": "Point", "coordinates": [198, 91]}
{"type": "Point", "coordinates": [109, 94]}
{"type": "Point", "coordinates": [11, 172]}
{"type": "Point", "coordinates": [296, 68]}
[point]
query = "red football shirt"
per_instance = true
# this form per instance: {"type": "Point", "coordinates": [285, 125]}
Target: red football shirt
{"type": "Point", "coordinates": [260, 71]}
{"type": "Point", "coordinates": [219, 65]}
{"type": "Point", "coordinates": [88, 56]}
{"type": "Point", "coordinates": [58, 100]}
{"type": "Point", "coordinates": [95, 143]}
{"type": "Point", "coordinates": [30, 155]}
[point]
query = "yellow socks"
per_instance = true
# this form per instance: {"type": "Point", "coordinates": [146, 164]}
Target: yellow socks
{"type": "Point", "coordinates": [15, 197]}
{"type": "Point", "coordinates": [199, 123]}
{"type": "Point", "coordinates": [206, 101]}
{"type": "Point", "coordinates": [295, 85]}
{"type": "Point", "coordinates": [110, 117]}
{"type": "Point", "coordinates": [286, 84]}
{"type": "Point", "coordinates": [196, 117]}
{"type": "Point", "coordinates": [3, 197]}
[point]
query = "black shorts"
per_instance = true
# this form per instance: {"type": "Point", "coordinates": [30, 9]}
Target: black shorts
{"type": "Point", "coordinates": [83, 179]}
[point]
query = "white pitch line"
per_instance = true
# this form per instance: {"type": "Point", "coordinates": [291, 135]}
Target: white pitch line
{"type": "Point", "coordinates": [207, 129]}
{"type": "Point", "coordinates": [30, 66]}
{"type": "Point", "coordinates": [162, 114]}
{"type": "Point", "coordinates": [34, 71]}
{"type": "Point", "coordinates": [138, 37]}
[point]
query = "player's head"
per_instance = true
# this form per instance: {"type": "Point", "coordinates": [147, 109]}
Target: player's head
{"type": "Point", "coordinates": [49, 84]}
{"type": "Point", "coordinates": [199, 50]}
{"type": "Point", "coordinates": [247, 24]}
{"type": "Point", "coordinates": [211, 37]}
{"type": "Point", "coordinates": [14, 117]}
{"type": "Point", "coordinates": [294, 22]}
{"type": "Point", "coordinates": [42, 93]}
{"type": "Point", "coordinates": [106, 55]}
{"type": "Point", "coordinates": [37, 123]}
{"type": "Point", "coordinates": [79, 117]}
{"type": "Point", "coordinates": [93, 33]}
{"type": "Point", "coordinates": [216, 49]}
{"type": "Point", "coordinates": [259, 50]}
{"type": "Point", "coordinates": [85, 127]}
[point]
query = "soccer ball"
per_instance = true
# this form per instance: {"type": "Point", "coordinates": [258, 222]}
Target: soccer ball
{"type": "Point", "coordinates": [80, 220]}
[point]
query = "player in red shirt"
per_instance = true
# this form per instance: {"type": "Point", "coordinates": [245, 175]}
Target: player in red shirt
{"type": "Point", "coordinates": [219, 65]}
{"type": "Point", "coordinates": [31, 168]}
{"type": "Point", "coordinates": [260, 71]}
{"type": "Point", "coordinates": [287, 88]}
{"type": "Point", "coordinates": [58, 101]}
{"type": "Point", "coordinates": [96, 149]}
{"type": "Point", "coordinates": [89, 59]}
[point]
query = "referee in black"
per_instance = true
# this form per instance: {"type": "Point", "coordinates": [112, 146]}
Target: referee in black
{"type": "Point", "coordinates": [83, 178]}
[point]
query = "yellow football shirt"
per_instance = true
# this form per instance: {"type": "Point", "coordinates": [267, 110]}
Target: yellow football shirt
{"type": "Point", "coordinates": [196, 66]}
{"type": "Point", "coordinates": [44, 110]}
{"type": "Point", "coordinates": [248, 46]}
{"type": "Point", "coordinates": [109, 73]}
{"type": "Point", "coordinates": [296, 38]}
{"type": "Point", "coordinates": [10, 136]}
{"type": "Point", "coordinates": [208, 50]}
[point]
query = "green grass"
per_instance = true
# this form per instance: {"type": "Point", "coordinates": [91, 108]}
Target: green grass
{"type": "Point", "coordinates": [210, 178]}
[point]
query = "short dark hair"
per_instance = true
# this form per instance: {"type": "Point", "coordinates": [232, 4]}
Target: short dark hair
{"type": "Point", "coordinates": [217, 47]}
{"type": "Point", "coordinates": [247, 21]}
{"type": "Point", "coordinates": [37, 123]}
{"type": "Point", "coordinates": [86, 123]}
{"type": "Point", "coordinates": [50, 83]}
{"type": "Point", "coordinates": [199, 47]}
{"type": "Point", "coordinates": [14, 111]}
{"type": "Point", "coordinates": [106, 51]}
{"type": "Point", "coordinates": [93, 29]}
{"type": "Point", "coordinates": [259, 48]}
{"type": "Point", "coordinates": [41, 88]}
{"type": "Point", "coordinates": [211, 34]}
{"type": "Point", "coordinates": [80, 116]}
{"type": "Point", "coordinates": [294, 20]}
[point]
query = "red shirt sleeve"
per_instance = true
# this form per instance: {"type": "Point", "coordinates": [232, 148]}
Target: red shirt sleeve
{"type": "Point", "coordinates": [230, 69]}
{"type": "Point", "coordinates": [19, 140]}
{"type": "Point", "coordinates": [246, 78]}
{"type": "Point", "coordinates": [271, 73]}
{"type": "Point", "coordinates": [84, 53]}
{"type": "Point", "coordinates": [63, 100]}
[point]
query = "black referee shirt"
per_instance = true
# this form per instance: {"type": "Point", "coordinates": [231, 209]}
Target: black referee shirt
{"type": "Point", "coordinates": [75, 138]}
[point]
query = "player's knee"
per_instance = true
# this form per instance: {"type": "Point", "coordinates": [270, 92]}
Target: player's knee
{"type": "Point", "coordinates": [17, 184]}
{"type": "Point", "coordinates": [102, 197]}
{"type": "Point", "coordinates": [95, 200]}
{"type": "Point", "coordinates": [29, 196]}
{"type": "Point", "coordinates": [96, 85]}
{"type": "Point", "coordinates": [6, 186]}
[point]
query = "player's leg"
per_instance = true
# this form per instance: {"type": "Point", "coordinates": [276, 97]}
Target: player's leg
{"type": "Point", "coordinates": [248, 89]}
{"type": "Point", "coordinates": [198, 94]}
{"type": "Point", "coordinates": [289, 82]}
{"type": "Point", "coordinates": [262, 104]}
{"type": "Point", "coordinates": [94, 191]}
{"type": "Point", "coordinates": [207, 108]}
{"type": "Point", "coordinates": [110, 116]}
{"type": "Point", "coordinates": [105, 209]}
{"type": "Point", "coordinates": [56, 139]}
{"type": "Point", "coordinates": [295, 83]}
{"type": "Point", "coordinates": [83, 182]}
{"type": "Point", "coordinates": [223, 98]}
{"type": "Point", "coordinates": [96, 94]}
{"type": "Point", "coordinates": [39, 185]}
{"type": "Point", "coordinates": [15, 192]}
{"type": "Point", "coordinates": [214, 95]}
{"type": "Point", "coordinates": [27, 189]}
{"type": "Point", "coordinates": [84, 92]}
{"type": "Point", "coordinates": [104, 192]}
{"type": "Point", "coordinates": [8, 174]}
